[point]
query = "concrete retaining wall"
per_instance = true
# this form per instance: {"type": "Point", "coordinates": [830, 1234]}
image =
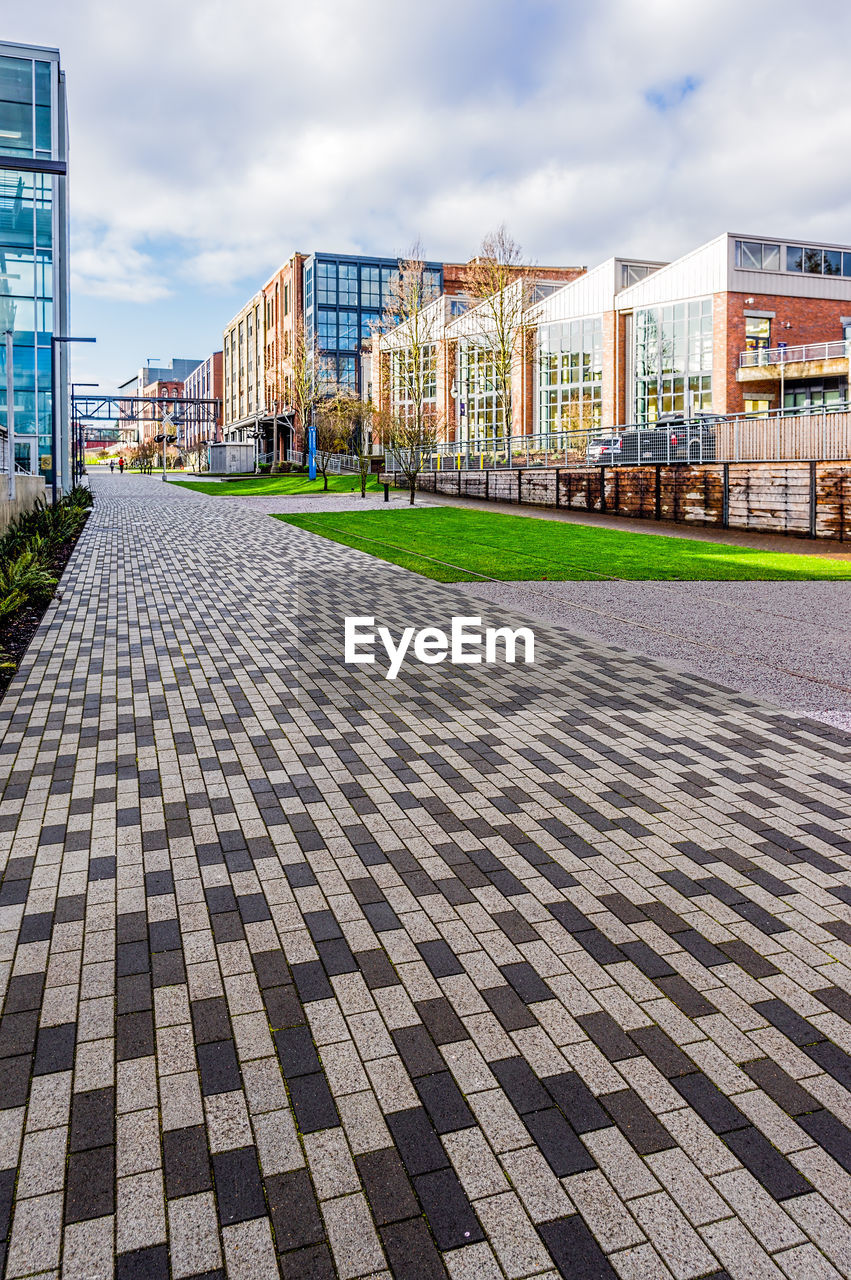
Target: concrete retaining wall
{"type": "Point", "coordinates": [28, 490]}
{"type": "Point", "coordinates": [811, 499]}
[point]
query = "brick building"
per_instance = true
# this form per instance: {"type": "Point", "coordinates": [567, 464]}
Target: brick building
{"type": "Point", "coordinates": [283, 300]}
{"type": "Point", "coordinates": [243, 370]}
{"type": "Point", "coordinates": [151, 382]}
{"type": "Point", "coordinates": [735, 326]}
{"type": "Point", "coordinates": [337, 301]}
{"type": "Point", "coordinates": [203, 383]}
{"type": "Point", "coordinates": [160, 389]}
{"type": "Point", "coordinates": [467, 395]}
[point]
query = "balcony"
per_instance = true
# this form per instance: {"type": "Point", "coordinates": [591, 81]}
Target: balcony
{"type": "Point", "coordinates": [813, 360]}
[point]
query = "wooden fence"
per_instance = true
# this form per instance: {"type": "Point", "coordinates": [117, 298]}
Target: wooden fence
{"type": "Point", "coordinates": [810, 499]}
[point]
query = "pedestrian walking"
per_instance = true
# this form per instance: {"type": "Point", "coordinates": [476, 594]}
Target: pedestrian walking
{"type": "Point", "coordinates": [112, 464]}
{"type": "Point", "coordinates": [121, 466]}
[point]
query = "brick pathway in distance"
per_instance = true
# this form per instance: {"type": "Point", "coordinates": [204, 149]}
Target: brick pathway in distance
{"type": "Point", "coordinates": [496, 972]}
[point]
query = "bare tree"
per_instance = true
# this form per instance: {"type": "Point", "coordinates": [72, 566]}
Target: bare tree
{"type": "Point", "coordinates": [410, 427]}
{"type": "Point", "coordinates": [354, 417]}
{"type": "Point", "coordinates": [496, 281]}
{"type": "Point", "coordinates": [307, 390]}
{"type": "Point", "coordinates": [198, 451]}
{"type": "Point", "coordinates": [330, 439]}
{"type": "Point", "coordinates": [409, 442]}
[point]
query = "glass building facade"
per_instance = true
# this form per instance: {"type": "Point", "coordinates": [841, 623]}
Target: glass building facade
{"type": "Point", "coordinates": [570, 374]}
{"type": "Point", "coordinates": [344, 298]}
{"type": "Point", "coordinates": [673, 359]}
{"type": "Point", "coordinates": [33, 251]}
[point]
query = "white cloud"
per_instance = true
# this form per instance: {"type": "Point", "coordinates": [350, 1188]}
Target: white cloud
{"type": "Point", "coordinates": [210, 139]}
{"type": "Point", "coordinates": [105, 264]}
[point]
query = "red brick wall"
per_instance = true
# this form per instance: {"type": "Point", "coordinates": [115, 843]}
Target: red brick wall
{"type": "Point", "coordinates": [810, 320]}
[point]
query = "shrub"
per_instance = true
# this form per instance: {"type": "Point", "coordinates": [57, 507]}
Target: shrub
{"type": "Point", "coordinates": [30, 549]}
{"type": "Point", "coordinates": [23, 581]}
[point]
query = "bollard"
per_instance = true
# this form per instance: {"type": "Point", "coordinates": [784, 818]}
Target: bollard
{"type": "Point", "coordinates": [386, 492]}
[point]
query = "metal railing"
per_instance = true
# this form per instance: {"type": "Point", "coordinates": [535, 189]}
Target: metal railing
{"type": "Point", "coordinates": [814, 435]}
{"type": "Point", "coordinates": [794, 355]}
{"type": "Point", "coordinates": [339, 461]}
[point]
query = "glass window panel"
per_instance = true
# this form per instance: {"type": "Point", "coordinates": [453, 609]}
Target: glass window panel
{"type": "Point", "coordinates": [42, 84]}
{"type": "Point", "coordinates": [348, 284]}
{"type": "Point", "coordinates": [832, 262]}
{"type": "Point", "coordinates": [326, 282]}
{"type": "Point", "coordinates": [327, 329]}
{"type": "Point", "coordinates": [771, 257]}
{"type": "Point", "coordinates": [16, 80]}
{"type": "Point", "coordinates": [751, 255]}
{"type": "Point", "coordinates": [16, 126]}
{"type": "Point", "coordinates": [813, 261]}
{"type": "Point", "coordinates": [370, 287]}
{"type": "Point", "coordinates": [43, 140]}
{"type": "Point", "coordinates": [757, 333]}
{"type": "Point", "coordinates": [348, 330]}
{"type": "Point", "coordinates": [794, 257]}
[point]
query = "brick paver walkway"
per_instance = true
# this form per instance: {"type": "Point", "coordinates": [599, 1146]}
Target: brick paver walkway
{"type": "Point", "coordinates": [488, 972]}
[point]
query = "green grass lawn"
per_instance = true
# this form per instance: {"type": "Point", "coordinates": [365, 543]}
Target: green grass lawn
{"type": "Point", "coordinates": [515, 548]}
{"type": "Point", "coordinates": [273, 486]}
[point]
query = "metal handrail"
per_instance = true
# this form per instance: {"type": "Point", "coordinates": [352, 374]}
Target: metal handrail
{"type": "Point", "coordinates": [759, 357]}
{"type": "Point", "coordinates": [817, 432]}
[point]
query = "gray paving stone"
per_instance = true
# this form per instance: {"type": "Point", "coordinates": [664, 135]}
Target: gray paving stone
{"type": "Point", "coordinates": [262, 849]}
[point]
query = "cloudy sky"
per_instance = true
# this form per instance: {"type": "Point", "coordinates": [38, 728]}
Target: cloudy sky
{"type": "Point", "coordinates": [210, 138]}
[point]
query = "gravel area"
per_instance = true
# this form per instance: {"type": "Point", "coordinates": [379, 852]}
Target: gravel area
{"type": "Point", "coordinates": [308, 503]}
{"type": "Point", "coordinates": [788, 643]}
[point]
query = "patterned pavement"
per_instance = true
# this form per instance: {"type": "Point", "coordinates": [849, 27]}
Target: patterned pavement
{"type": "Point", "coordinates": [485, 972]}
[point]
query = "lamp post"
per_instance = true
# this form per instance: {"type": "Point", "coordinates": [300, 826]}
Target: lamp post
{"type": "Point", "coordinates": [54, 442]}
{"type": "Point", "coordinates": [78, 448]}
{"type": "Point", "coordinates": [168, 438]}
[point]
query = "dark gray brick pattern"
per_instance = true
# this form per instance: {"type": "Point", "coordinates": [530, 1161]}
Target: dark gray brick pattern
{"type": "Point", "coordinates": [519, 972]}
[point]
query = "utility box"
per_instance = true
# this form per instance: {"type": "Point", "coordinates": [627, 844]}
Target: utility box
{"type": "Point", "coordinates": [231, 459]}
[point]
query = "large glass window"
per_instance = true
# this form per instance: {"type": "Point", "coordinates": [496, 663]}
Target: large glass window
{"type": "Point", "coordinates": [755, 255]}
{"type": "Point", "coordinates": [757, 333]}
{"type": "Point", "coordinates": [348, 285]}
{"type": "Point", "coordinates": [368, 324]}
{"type": "Point", "coordinates": [481, 408]}
{"type": "Point", "coordinates": [632, 272]}
{"type": "Point", "coordinates": [414, 381]}
{"type": "Point", "coordinates": [348, 331]}
{"type": "Point", "coordinates": [326, 282]}
{"type": "Point", "coordinates": [817, 262]}
{"type": "Point", "coordinates": [370, 287]}
{"type": "Point", "coordinates": [570, 372]}
{"type": "Point", "coordinates": [347, 374]}
{"type": "Point", "coordinates": [388, 276]}
{"type": "Point", "coordinates": [26, 297]}
{"type": "Point", "coordinates": [327, 330]}
{"type": "Point", "coordinates": [16, 105]}
{"type": "Point", "coordinates": [673, 359]}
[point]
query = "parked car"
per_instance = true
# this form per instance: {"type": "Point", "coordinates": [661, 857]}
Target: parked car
{"type": "Point", "coordinates": [672, 438]}
{"type": "Point", "coordinates": [604, 449]}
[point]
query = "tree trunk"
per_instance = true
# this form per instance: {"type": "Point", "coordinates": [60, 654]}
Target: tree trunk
{"type": "Point", "coordinates": [413, 488]}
